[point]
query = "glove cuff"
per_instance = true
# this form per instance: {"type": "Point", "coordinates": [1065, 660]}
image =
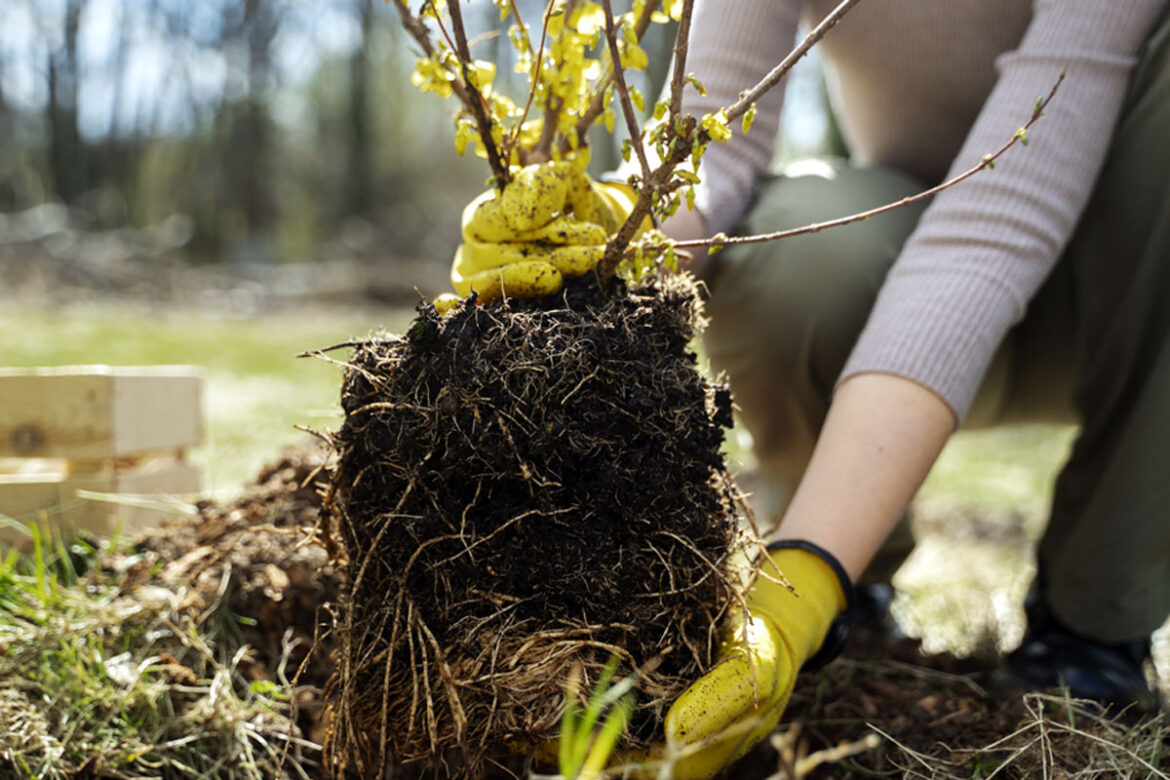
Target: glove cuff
{"type": "Point", "coordinates": [839, 629]}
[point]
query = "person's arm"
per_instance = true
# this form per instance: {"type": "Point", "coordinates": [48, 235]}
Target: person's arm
{"type": "Point", "coordinates": [965, 277]}
{"type": "Point", "coordinates": [880, 439]}
{"type": "Point", "coordinates": [982, 249]}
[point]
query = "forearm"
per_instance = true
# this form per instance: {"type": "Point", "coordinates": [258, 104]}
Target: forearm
{"type": "Point", "coordinates": [880, 439]}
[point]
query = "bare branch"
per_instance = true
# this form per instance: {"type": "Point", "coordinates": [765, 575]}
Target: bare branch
{"type": "Point", "coordinates": [988, 161]}
{"type": "Point", "coordinates": [681, 46]}
{"type": "Point", "coordinates": [773, 78]}
{"type": "Point", "coordinates": [478, 108]}
{"type": "Point", "coordinates": [515, 139]}
{"type": "Point", "coordinates": [623, 91]}
{"type": "Point", "coordinates": [552, 111]}
{"type": "Point", "coordinates": [524, 27]}
{"type": "Point", "coordinates": [597, 105]}
{"type": "Point", "coordinates": [462, 88]}
{"type": "Point", "coordinates": [655, 183]}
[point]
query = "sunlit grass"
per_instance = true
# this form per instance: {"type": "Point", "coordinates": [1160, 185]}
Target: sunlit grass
{"type": "Point", "coordinates": [256, 389]}
{"type": "Point", "coordinates": [97, 679]}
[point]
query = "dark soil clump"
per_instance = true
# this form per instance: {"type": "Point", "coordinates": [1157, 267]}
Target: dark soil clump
{"type": "Point", "coordinates": [522, 491]}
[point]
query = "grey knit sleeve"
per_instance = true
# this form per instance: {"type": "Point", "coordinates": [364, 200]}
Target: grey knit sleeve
{"type": "Point", "coordinates": [983, 248]}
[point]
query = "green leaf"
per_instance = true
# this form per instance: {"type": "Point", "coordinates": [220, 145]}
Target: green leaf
{"type": "Point", "coordinates": [717, 246]}
{"type": "Point", "coordinates": [607, 739]}
{"type": "Point", "coordinates": [637, 99]}
{"type": "Point", "coordinates": [748, 118]}
{"type": "Point", "coordinates": [669, 258]}
{"type": "Point", "coordinates": [698, 149]}
{"type": "Point", "coordinates": [691, 77]}
{"type": "Point", "coordinates": [568, 749]}
{"type": "Point", "coordinates": [716, 126]}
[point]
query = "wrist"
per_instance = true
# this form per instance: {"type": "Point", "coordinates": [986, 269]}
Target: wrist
{"type": "Point", "coordinates": [824, 596]}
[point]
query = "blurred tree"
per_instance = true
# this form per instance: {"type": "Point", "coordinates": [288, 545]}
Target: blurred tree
{"type": "Point", "coordinates": [359, 173]}
{"type": "Point", "coordinates": [67, 150]}
{"type": "Point", "coordinates": [249, 31]}
{"type": "Point", "coordinates": [280, 130]}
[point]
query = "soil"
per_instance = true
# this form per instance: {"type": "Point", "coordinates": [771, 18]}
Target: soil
{"type": "Point", "coordinates": [937, 714]}
{"type": "Point", "coordinates": [279, 584]}
{"type": "Point", "coordinates": [523, 490]}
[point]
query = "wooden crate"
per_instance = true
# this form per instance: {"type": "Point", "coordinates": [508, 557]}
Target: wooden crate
{"type": "Point", "coordinates": [95, 447]}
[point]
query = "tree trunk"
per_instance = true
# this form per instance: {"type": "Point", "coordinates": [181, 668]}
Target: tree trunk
{"type": "Point", "coordinates": [68, 161]}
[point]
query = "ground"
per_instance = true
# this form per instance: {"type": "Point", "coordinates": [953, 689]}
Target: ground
{"type": "Point", "coordinates": [932, 710]}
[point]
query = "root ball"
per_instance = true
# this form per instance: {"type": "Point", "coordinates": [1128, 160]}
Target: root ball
{"type": "Point", "coordinates": [522, 491]}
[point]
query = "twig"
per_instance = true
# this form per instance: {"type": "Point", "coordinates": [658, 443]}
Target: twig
{"type": "Point", "coordinates": [520, 23]}
{"type": "Point", "coordinates": [476, 101]}
{"type": "Point", "coordinates": [462, 89]}
{"type": "Point", "coordinates": [680, 140]}
{"type": "Point", "coordinates": [653, 183]}
{"type": "Point", "coordinates": [796, 765]}
{"type": "Point", "coordinates": [681, 46]}
{"type": "Point", "coordinates": [988, 161]}
{"type": "Point", "coordinates": [623, 91]}
{"type": "Point", "coordinates": [552, 110]}
{"type": "Point", "coordinates": [773, 78]}
{"type": "Point", "coordinates": [515, 138]}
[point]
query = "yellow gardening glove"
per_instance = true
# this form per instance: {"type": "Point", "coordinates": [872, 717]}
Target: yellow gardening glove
{"type": "Point", "coordinates": [549, 222]}
{"type": "Point", "coordinates": [730, 709]}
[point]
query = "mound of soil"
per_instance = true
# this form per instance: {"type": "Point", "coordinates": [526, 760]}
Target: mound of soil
{"type": "Point", "coordinates": [523, 490]}
{"type": "Point", "coordinates": [254, 553]}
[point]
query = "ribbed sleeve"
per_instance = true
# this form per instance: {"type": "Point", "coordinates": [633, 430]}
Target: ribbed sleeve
{"type": "Point", "coordinates": [983, 248]}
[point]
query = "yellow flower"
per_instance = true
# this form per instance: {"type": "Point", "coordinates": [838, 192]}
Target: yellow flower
{"type": "Point", "coordinates": [716, 126]}
{"type": "Point", "coordinates": [430, 76]}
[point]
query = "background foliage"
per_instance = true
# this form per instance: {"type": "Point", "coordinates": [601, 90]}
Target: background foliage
{"type": "Point", "coordinates": [262, 129]}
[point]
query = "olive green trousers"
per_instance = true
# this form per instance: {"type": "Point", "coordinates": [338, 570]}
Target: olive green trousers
{"type": "Point", "coordinates": [1093, 349]}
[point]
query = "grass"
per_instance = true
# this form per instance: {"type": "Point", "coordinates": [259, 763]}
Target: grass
{"type": "Point", "coordinates": [256, 389]}
{"type": "Point", "coordinates": [98, 679]}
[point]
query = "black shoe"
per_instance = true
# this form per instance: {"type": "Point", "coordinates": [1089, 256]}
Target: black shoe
{"type": "Point", "coordinates": [871, 603]}
{"type": "Point", "coordinates": [1053, 656]}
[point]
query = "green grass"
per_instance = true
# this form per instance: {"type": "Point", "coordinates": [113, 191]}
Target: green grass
{"type": "Point", "coordinates": [101, 680]}
{"type": "Point", "coordinates": [256, 389]}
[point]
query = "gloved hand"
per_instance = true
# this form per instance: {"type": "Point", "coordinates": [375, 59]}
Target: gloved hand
{"type": "Point", "coordinates": [738, 703]}
{"type": "Point", "coordinates": [549, 222]}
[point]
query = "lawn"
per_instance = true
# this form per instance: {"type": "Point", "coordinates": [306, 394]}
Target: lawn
{"type": "Point", "coordinates": [256, 389]}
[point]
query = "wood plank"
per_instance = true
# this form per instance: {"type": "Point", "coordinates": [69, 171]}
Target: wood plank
{"type": "Point", "coordinates": [157, 411]}
{"type": "Point", "coordinates": [133, 501]}
{"type": "Point", "coordinates": [97, 412]}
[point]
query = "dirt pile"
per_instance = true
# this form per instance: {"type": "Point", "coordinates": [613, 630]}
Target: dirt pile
{"type": "Point", "coordinates": [523, 490]}
{"type": "Point", "coordinates": [254, 554]}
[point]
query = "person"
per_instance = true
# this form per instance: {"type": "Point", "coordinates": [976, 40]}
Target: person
{"type": "Point", "coordinates": [1037, 290]}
